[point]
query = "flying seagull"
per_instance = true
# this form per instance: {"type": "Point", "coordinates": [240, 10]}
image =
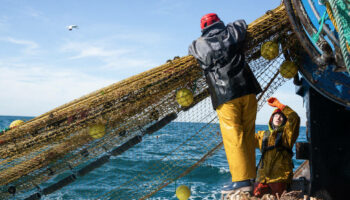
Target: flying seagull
{"type": "Point", "coordinates": [70, 27]}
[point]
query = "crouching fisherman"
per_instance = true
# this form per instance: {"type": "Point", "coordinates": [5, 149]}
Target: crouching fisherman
{"type": "Point", "coordinates": [275, 168]}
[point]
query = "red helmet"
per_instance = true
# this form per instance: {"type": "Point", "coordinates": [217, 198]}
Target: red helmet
{"type": "Point", "coordinates": [209, 19]}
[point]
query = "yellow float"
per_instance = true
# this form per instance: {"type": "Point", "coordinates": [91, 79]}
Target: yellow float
{"type": "Point", "coordinates": [288, 69]}
{"type": "Point", "coordinates": [184, 97]}
{"type": "Point", "coordinates": [97, 131]}
{"type": "Point", "coordinates": [183, 192]}
{"type": "Point", "coordinates": [269, 50]}
{"type": "Point", "coordinates": [16, 123]}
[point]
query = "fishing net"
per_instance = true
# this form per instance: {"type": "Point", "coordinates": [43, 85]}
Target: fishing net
{"type": "Point", "coordinates": [124, 117]}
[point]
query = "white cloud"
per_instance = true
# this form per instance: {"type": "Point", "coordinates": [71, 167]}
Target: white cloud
{"type": "Point", "coordinates": [140, 37]}
{"type": "Point", "coordinates": [113, 58]}
{"type": "Point", "coordinates": [35, 90]}
{"type": "Point", "coordinates": [3, 19]}
{"type": "Point", "coordinates": [98, 52]}
{"type": "Point", "coordinates": [3, 23]}
{"type": "Point", "coordinates": [30, 47]}
{"type": "Point", "coordinates": [34, 13]}
{"type": "Point", "coordinates": [33, 87]}
{"type": "Point", "coordinates": [139, 65]}
{"type": "Point", "coordinates": [83, 50]}
{"type": "Point", "coordinates": [167, 7]}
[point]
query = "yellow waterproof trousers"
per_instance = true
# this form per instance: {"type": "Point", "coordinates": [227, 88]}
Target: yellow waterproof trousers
{"type": "Point", "coordinates": [237, 124]}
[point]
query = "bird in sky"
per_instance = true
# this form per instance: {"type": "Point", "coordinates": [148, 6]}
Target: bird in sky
{"type": "Point", "coordinates": [70, 27]}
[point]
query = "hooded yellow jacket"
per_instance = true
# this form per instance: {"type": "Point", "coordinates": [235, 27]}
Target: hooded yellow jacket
{"type": "Point", "coordinates": [277, 164]}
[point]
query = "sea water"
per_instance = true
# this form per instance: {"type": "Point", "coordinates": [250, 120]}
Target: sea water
{"type": "Point", "coordinates": [205, 181]}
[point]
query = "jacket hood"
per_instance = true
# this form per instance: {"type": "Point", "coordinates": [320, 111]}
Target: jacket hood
{"type": "Point", "coordinates": [213, 28]}
{"type": "Point", "coordinates": [271, 126]}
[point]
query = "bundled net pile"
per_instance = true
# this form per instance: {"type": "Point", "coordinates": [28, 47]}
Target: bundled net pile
{"type": "Point", "coordinates": [84, 134]}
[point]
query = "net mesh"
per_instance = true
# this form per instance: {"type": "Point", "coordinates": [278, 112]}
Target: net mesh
{"type": "Point", "coordinates": [127, 116]}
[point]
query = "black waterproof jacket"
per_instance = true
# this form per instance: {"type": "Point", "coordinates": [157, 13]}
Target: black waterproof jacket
{"type": "Point", "coordinates": [220, 54]}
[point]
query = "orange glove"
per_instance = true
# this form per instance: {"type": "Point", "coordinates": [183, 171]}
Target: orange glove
{"type": "Point", "coordinates": [273, 101]}
{"type": "Point", "coordinates": [260, 189]}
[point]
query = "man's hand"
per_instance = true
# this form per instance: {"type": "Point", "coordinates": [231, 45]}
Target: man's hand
{"type": "Point", "coordinates": [273, 101]}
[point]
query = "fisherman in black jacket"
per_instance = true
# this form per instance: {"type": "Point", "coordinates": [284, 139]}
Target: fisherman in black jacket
{"type": "Point", "coordinates": [233, 89]}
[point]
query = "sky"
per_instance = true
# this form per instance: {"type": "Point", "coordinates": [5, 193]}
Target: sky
{"type": "Point", "coordinates": [43, 65]}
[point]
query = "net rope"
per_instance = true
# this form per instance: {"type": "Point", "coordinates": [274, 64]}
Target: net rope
{"type": "Point", "coordinates": [340, 18]}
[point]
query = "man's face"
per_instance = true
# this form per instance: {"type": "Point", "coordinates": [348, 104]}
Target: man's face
{"type": "Point", "coordinates": [277, 119]}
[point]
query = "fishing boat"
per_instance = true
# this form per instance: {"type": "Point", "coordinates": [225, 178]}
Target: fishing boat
{"type": "Point", "coordinates": [70, 141]}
